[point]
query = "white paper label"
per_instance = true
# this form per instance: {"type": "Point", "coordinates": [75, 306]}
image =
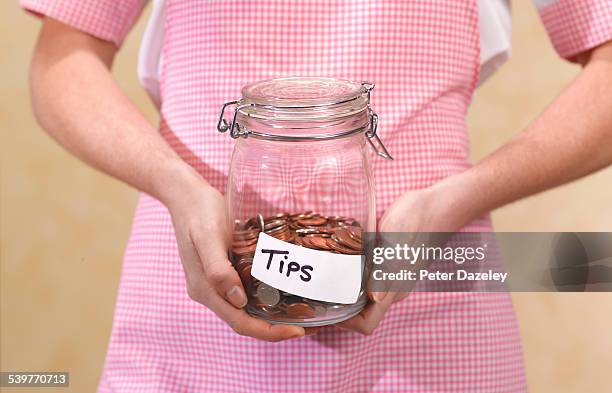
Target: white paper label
{"type": "Point", "coordinates": [313, 274]}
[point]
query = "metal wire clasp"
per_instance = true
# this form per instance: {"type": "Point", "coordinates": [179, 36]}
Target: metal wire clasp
{"type": "Point", "coordinates": [234, 128]}
{"type": "Point", "coordinates": [371, 133]}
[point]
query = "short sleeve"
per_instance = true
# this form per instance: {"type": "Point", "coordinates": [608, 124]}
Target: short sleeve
{"type": "Point", "coordinates": [575, 26]}
{"type": "Point", "coordinates": [108, 20]}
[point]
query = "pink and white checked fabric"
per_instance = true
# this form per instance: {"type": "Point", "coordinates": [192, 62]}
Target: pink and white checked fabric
{"type": "Point", "coordinates": [574, 26]}
{"type": "Point", "coordinates": [423, 57]}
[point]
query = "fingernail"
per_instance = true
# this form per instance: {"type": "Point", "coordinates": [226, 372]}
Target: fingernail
{"type": "Point", "coordinates": [236, 296]}
{"type": "Point", "coordinates": [379, 296]}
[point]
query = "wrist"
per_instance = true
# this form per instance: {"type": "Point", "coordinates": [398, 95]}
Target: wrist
{"type": "Point", "coordinates": [175, 181]}
{"type": "Point", "coordinates": [457, 199]}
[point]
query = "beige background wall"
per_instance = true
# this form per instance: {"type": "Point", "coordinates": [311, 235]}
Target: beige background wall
{"type": "Point", "coordinates": [64, 226]}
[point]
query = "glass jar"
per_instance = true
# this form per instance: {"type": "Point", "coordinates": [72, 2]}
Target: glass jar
{"type": "Point", "coordinates": [300, 174]}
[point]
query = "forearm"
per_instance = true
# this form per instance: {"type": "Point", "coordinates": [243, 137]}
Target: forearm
{"type": "Point", "coordinates": [570, 139]}
{"type": "Point", "coordinates": [77, 101]}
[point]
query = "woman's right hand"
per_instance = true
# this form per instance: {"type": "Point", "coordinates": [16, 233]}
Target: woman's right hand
{"type": "Point", "coordinates": [202, 233]}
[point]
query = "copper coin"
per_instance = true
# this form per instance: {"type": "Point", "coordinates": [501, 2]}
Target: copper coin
{"type": "Point", "coordinates": [300, 310]}
{"type": "Point", "coordinates": [322, 231]}
{"type": "Point", "coordinates": [280, 216]}
{"type": "Point", "coordinates": [245, 273]}
{"type": "Point", "coordinates": [326, 230]}
{"type": "Point", "coordinates": [314, 221]}
{"type": "Point", "coordinates": [355, 232]}
{"type": "Point", "coordinates": [305, 240]}
{"type": "Point", "coordinates": [306, 231]}
{"type": "Point", "coordinates": [299, 240]}
{"type": "Point", "coordinates": [244, 261]}
{"type": "Point", "coordinates": [294, 225]}
{"type": "Point", "coordinates": [285, 237]}
{"type": "Point", "coordinates": [243, 243]}
{"type": "Point", "coordinates": [274, 224]}
{"type": "Point", "coordinates": [297, 216]}
{"type": "Point", "coordinates": [335, 246]}
{"type": "Point", "coordinates": [246, 233]}
{"type": "Point", "coordinates": [278, 230]}
{"type": "Point", "coordinates": [349, 222]}
{"type": "Point", "coordinates": [342, 236]}
{"type": "Point", "coordinates": [318, 242]}
{"type": "Point", "coordinates": [245, 238]}
{"type": "Point", "coordinates": [244, 250]}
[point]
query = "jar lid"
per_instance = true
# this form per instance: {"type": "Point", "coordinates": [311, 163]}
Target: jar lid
{"type": "Point", "coordinates": [302, 92]}
{"type": "Point", "coordinates": [292, 102]}
{"type": "Point", "coordinates": [303, 109]}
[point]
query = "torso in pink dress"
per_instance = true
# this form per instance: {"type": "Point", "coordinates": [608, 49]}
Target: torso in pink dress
{"type": "Point", "coordinates": [424, 58]}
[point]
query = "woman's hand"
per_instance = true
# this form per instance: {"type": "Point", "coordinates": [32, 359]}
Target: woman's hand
{"type": "Point", "coordinates": [432, 209]}
{"type": "Point", "coordinates": [199, 218]}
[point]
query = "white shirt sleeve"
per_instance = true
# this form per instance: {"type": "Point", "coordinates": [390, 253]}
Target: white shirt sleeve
{"type": "Point", "coordinates": [495, 36]}
{"type": "Point", "coordinates": [150, 55]}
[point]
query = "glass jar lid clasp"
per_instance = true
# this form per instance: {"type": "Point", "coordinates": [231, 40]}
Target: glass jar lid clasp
{"type": "Point", "coordinates": [238, 131]}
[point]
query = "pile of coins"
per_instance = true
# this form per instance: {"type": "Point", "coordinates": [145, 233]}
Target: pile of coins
{"type": "Point", "coordinates": [335, 234]}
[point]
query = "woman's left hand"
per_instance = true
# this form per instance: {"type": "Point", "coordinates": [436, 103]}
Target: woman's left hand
{"type": "Point", "coordinates": [427, 210]}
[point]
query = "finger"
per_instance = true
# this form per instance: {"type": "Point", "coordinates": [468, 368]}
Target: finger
{"type": "Point", "coordinates": [246, 325]}
{"type": "Point", "coordinates": [377, 297]}
{"type": "Point", "coordinates": [257, 328]}
{"type": "Point", "coordinates": [236, 318]}
{"type": "Point", "coordinates": [383, 290]}
{"type": "Point", "coordinates": [394, 289]}
{"type": "Point", "coordinates": [219, 272]}
{"type": "Point", "coordinates": [378, 290]}
{"type": "Point", "coordinates": [368, 319]}
{"type": "Point", "coordinates": [194, 273]}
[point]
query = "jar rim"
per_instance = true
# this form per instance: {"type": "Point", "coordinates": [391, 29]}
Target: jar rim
{"type": "Point", "coordinates": [287, 102]}
{"type": "Point", "coordinates": [303, 108]}
{"type": "Point", "coordinates": [301, 92]}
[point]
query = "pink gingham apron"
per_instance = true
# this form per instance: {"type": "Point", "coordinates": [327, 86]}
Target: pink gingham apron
{"type": "Point", "coordinates": [424, 58]}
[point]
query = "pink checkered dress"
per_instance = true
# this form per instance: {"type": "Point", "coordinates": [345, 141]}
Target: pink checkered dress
{"type": "Point", "coordinates": [424, 58]}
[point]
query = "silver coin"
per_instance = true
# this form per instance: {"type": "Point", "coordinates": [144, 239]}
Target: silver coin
{"type": "Point", "coordinates": [274, 224]}
{"type": "Point", "coordinates": [262, 224]}
{"type": "Point", "coordinates": [268, 295]}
